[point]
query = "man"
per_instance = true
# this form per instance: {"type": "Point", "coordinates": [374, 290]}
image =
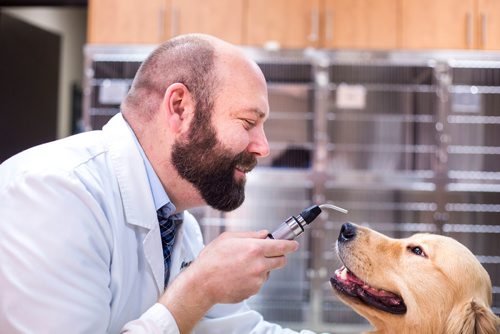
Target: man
{"type": "Point", "coordinates": [87, 222]}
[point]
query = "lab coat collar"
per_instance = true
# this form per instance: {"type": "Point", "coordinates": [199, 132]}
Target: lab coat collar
{"type": "Point", "coordinates": [138, 203]}
{"type": "Point", "coordinates": [131, 174]}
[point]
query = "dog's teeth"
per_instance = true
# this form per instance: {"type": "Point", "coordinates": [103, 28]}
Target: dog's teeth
{"type": "Point", "coordinates": [343, 274]}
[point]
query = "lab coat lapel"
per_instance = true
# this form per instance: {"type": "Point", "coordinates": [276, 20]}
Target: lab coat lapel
{"type": "Point", "coordinates": [138, 203]}
{"type": "Point", "coordinates": [154, 256]}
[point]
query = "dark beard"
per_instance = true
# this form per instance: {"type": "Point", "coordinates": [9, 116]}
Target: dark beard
{"type": "Point", "coordinates": [203, 161]}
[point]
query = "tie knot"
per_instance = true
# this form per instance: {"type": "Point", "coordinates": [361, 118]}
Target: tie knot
{"type": "Point", "coordinates": [165, 211]}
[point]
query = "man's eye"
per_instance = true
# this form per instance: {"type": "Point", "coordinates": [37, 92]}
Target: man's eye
{"type": "Point", "coordinates": [417, 250]}
{"type": "Point", "coordinates": [249, 123]}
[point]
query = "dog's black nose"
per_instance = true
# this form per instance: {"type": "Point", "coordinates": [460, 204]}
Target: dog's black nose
{"type": "Point", "coordinates": [347, 232]}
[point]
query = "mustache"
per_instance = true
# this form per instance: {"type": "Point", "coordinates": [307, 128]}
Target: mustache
{"type": "Point", "coordinates": [245, 161]}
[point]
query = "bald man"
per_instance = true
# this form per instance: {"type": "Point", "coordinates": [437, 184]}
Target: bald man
{"type": "Point", "coordinates": [81, 246]}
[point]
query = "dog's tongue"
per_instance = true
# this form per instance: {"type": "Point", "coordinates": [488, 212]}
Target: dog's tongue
{"type": "Point", "coordinates": [349, 278]}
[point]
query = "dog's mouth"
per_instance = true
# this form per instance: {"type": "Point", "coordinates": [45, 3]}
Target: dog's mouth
{"type": "Point", "coordinates": [350, 285]}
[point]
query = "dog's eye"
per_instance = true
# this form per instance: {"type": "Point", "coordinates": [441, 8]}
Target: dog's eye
{"type": "Point", "coordinates": [417, 250]}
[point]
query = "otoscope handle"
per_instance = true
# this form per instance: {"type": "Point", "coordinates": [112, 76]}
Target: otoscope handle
{"type": "Point", "coordinates": [289, 229]}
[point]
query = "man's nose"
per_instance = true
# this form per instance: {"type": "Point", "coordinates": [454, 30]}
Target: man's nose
{"type": "Point", "coordinates": [258, 143]}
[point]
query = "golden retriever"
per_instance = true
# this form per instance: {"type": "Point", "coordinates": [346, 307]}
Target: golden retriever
{"type": "Point", "coordinates": [425, 284]}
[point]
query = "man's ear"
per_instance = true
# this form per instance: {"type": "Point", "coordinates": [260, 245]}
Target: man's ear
{"type": "Point", "coordinates": [178, 106]}
{"type": "Point", "coordinates": [472, 318]}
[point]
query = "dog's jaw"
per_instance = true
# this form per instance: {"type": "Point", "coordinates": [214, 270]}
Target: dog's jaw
{"type": "Point", "coordinates": [348, 284]}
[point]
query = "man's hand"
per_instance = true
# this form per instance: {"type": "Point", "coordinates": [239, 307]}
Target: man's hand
{"type": "Point", "coordinates": [236, 265]}
{"type": "Point", "coordinates": [230, 269]}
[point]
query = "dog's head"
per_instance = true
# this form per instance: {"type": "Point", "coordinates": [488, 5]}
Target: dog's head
{"type": "Point", "coordinates": [423, 284]}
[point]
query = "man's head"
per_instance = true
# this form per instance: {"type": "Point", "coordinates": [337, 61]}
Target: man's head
{"type": "Point", "coordinates": [198, 105]}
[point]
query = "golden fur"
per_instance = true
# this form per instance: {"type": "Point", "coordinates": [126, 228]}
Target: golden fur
{"type": "Point", "coordinates": [445, 289]}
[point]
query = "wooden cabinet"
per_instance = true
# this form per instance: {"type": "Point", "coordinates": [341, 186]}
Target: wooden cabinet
{"type": "Point", "coordinates": [450, 24]}
{"type": "Point", "coordinates": [118, 21]}
{"type": "Point", "coordinates": [221, 18]}
{"type": "Point", "coordinates": [488, 25]}
{"type": "Point", "coordinates": [339, 24]}
{"type": "Point", "coordinates": [360, 24]}
{"type": "Point", "coordinates": [290, 23]}
{"type": "Point", "coordinates": [442, 24]}
{"type": "Point", "coordinates": [153, 21]}
{"type": "Point", "coordinates": [325, 23]}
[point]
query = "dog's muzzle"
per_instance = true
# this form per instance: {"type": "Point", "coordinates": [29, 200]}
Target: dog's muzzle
{"type": "Point", "coordinates": [348, 284]}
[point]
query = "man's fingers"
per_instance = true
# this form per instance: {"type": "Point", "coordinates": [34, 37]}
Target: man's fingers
{"type": "Point", "coordinates": [276, 248]}
{"type": "Point", "coordinates": [276, 262]}
{"type": "Point", "coordinates": [247, 234]}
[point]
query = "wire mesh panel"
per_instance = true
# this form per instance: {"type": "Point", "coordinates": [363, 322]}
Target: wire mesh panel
{"type": "Point", "coordinates": [391, 128]}
{"type": "Point", "coordinates": [109, 72]}
{"type": "Point", "coordinates": [473, 206]}
{"type": "Point", "coordinates": [408, 142]}
{"type": "Point", "coordinates": [290, 126]}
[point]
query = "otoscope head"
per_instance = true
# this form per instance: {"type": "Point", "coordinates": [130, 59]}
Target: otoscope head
{"type": "Point", "coordinates": [310, 213]}
{"type": "Point", "coordinates": [294, 226]}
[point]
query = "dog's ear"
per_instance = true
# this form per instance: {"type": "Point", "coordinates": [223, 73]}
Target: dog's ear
{"type": "Point", "coordinates": [472, 318]}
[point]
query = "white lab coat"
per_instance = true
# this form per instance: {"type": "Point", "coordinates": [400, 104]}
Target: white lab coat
{"type": "Point", "coordinates": [80, 248]}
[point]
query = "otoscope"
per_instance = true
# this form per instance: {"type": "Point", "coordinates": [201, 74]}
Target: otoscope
{"type": "Point", "coordinates": [295, 225]}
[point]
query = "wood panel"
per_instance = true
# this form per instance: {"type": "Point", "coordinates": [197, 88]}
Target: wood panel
{"type": "Point", "coordinates": [360, 24]}
{"type": "Point", "coordinates": [221, 18]}
{"type": "Point", "coordinates": [443, 24]}
{"type": "Point", "coordinates": [351, 24]}
{"type": "Point", "coordinates": [117, 21]}
{"type": "Point", "coordinates": [291, 23]}
{"type": "Point", "coordinates": [488, 25]}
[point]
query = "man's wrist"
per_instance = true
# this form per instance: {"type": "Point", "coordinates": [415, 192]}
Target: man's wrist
{"type": "Point", "coordinates": [187, 300]}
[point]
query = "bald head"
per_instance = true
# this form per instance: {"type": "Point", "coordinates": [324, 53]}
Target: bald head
{"type": "Point", "coordinates": [197, 106]}
{"type": "Point", "coordinates": [188, 59]}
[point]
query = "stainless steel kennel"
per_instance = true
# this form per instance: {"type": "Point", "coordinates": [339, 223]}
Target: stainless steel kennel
{"type": "Point", "coordinates": [407, 141]}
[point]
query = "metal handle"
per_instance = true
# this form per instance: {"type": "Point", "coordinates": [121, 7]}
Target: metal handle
{"type": "Point", "coordinates": [161, 23]}
{"type": "Point", "coordinates": [329, 26]}
{"type": "Point", "coordinates": [290, 229]}
{"type": "Point", "coordinates": [484, 29]}
{"type": "Point", "coordinates": [469, 30]}
{"type": "Point", "coordinates": [313, 36]}
{"type": "Point", "coordinates": [174, 22]}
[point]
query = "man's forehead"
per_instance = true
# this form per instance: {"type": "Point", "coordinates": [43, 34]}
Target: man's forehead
{"type": "Point", "coordinates": [260, 113]}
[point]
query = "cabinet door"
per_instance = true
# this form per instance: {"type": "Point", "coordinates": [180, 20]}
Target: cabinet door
{"type": "Point", "coordinates": [291, 23]}
{"type": "Point", "coordinates": [133, 21]}
{"type": "Point", "coordinates": [221, 18]}
{"type": "Point", "coordinates": [489, 24]}
{"type": "Point", "coordinates": [360, 24]}
{"type": "Point", "coordinates": [437, 24]}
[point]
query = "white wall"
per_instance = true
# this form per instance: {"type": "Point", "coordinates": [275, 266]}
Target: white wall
{"type": "Point", "coordinates": [71, 24]}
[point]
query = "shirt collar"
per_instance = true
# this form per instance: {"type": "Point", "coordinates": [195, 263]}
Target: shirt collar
{"type": "Point", "coordinates": [160, 197]}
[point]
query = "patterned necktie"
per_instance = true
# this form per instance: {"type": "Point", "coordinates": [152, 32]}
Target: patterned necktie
{"type": "Point", "coordinates": [168, 225]}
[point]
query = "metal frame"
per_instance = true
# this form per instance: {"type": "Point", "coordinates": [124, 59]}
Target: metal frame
{"type": "Point", "coordinates": [318, 182]}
